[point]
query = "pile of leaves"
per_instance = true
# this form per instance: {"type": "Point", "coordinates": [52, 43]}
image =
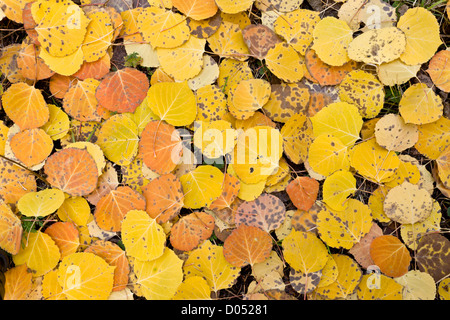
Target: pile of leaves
{"type": "Point", "coordinates": [218, 149]}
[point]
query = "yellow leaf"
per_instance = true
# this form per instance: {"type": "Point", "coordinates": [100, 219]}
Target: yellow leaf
{"type": "Point", "coordinates": [343, 229]}
{"type": "Point", "coordinates": [142, 236]}
{"type": "Point", "coordinates": [17, 283]}
{"type": "Point", "coordinates": [331, 39]}
{"type": "Point", "coordinates": [285, 63]}
{"type": "Point", "coordinates": [119, 140]}
{"type": "Point", "coordinates": [422, 35]}
{"type": "Point", "coordinates": [377, 46]}
{"type": "Point", "coordinates": [41, 203]}
{"type": "Point", "coordinates": [374, 162]}
{"type": "Point", "coordinates": [61, 26]}
{"type": "Point", "coordinates": [201, 186]}
{"type": "Point", "coordinates": [173, 102]}
{"type": "Point", "coordinates": [58, 123]}
{"type": "Point", "coordinates": [193, 288]}
{"type": "Point", "coordinates": [296, 27]}
{"type": "Point", "coordinates": [379, 287]}
{"type": "Point", "coordinates": [420, 105]}
{"type": "Point", "coordinates": [234, 6]}
{"type": "Point", "coordinates": [99, 35]}
{"type": "Point", "coordinates": [337, 187]}
{"type": "Point", "coordinates": [328, 154]}
{"type": "Point", "coordinates": [85, 276]}
{"type": "Point", "coordinates": [304, 252]}
{"type": "Point", "coordinates": [162, 28]}
{"type": "Point", "coordinates": [349, 276]}
{"type": "Point", "coordinates": [208, 262]}
{"type": "Point", "coordinates": [363, 89]}
{"type": "Point", "coordinates": [75, 209]}
{"type": "Point", "coordinates": [185, 61]}
{"type": "Point", "coordinates": [40, 253]}
{"type": "Point", "coordinates": [297, 135]}
{"type": "Point", "coordinates": [159, 279]}
{"type": "Point", "coordinates": [341, 120]}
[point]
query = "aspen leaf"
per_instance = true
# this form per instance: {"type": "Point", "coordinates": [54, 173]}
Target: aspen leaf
{"type": "Point", "coordinates": [59, 33]}
{"type": "Point", "coordinates": [10, 230]}
{"type": "Point", "coordinates": [99, 34]}
{"type": "Point", "coordinates": [73, 171]}
{"type": "Point", "coordinates": [407, 203]}
{"type": "Point", "coordinates": [343, 229]}
{"type": "Point", "coordinates": [41, 203]}
{"type": "Point", "coordinates": [349, 276]}
{"type": "Point", "coordinates": [377, 46]}
{"type": "Point", "coordinates": [159, 279]}
{"type": "Point", "coordinates": [15, 182]}
{"type": "Point", "coordinates": [340, 119]}
{"type": "Point", "coordinates": [173, 102]}
{"type": "Point", "coordinates": [191, 230]}
{"type": "Point", "coordinates": [118, 138]}
{"type": "Point", "coordinates": [31, 146]}
{"type": "Point", "coordinates": [417, 285]}
{"type": "Point", "coordinates": [337, 187]}
{"type": "Point", "coordinates": [76, 210]}
{"type": "Point", "coordinates": [391, 255]}
{"type": "Point", "coordinates": [392, 133]}
{"type": "Point", "coordinates": [58, 123]}
{"type": "Point", "coordinates": [386, 288]}
{"type": "Point", "coordinates": [363, 90]}
{"type": "Point", "coordinates": [259, 39]}
{"type": "Point", "coordinates": [297, 135]}
{"type": "Point", "coordinates": [162, 28]}
{"type": "Point", "coordinates": [333, 33]}
{"type": "Point", "coordinates": [17, 283]}
{"type": "Point", "coordinates": [85, 276]}
{"type": "Point", "coordinates": [421, 29]}
{"type": "Point", "coordinates": [431, 106]}
{"type": "Point", "coordinates": [209, 262]}
{"type": "Point", "coordinates": [201, 186]}
{"type": "Point", "coordinates": [66, 237]}
{"type": "Point", "coordinates": [374, 162]}
{"type": "Point", "coordinates": [439, 70]}
{"type": "Point", "coordinates": [122, 90]}
{"type": "Point", "coordinates": [328, 154]}
{"type": "Point", "coordinates": [266, 212]}
{"type": "Point", "coordinates": [160, 147]}
{"type": "Point", "coordinates": [40, 253]}
{"type": "Point", "coordinates": [25, 105]}
{"type": "Point", "coordinates": [164, 197]}
{"type": "Point", "coordinates": [432, 255]}
{"type": "Point", "coordinates": [142, 236]}
{"type": "Point", "coordinates": [285, 63]}
{"type": "Point", "coordinates": [80, 101]}
{"type": "Point", "coordinates": [443, 167]}
{"type": "Point", "coordinates": [433, 137]}
{"type": "Point", "coordinates": [198, 10]}
{"type": "Point", "coordinates": [304, 252]}
{"type": "Point", "coordinates": [193, 288]}
{"type": "Point", "coordinates": [303, 192]}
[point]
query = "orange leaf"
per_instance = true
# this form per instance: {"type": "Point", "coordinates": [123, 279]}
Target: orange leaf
{"type": "Point", "coordinates": [391, 255]}
{"type": "Point", "coordinates": [247, 245]}
{"type": "Point", "coordinates": [303, 192]}
{"type": "Point", "coordinates": [122, 90]}
{"type": "Point", "coordinates": [164, 197]}
{"type": "Point", "coordinates": [32, 66]}
{"type": "Point", "coordinates": [25, 105]}
{"type": "Point", "coordinates": [115, 257]}
{"type": "Point", "coordinates": [66, 237]}
{"type": "Point", "coordinates": [17, 283]}
{"type": "Point", "coordinates": [160, 147]}
{"type": "Point", "coordinates": [112, 208]}
{"type": "Point", "coordinates": [31, 146]}
{"type": "Point", "coordinates": [72, 170]}
{"type": "Point", "coordinates": [96, 70]}
{"type": "Point", "coordinates": [10, 230]}
{"type": "Point", "coordinates": [14, 182]}
{"type": "Point", "coordinates": [191, 230]}
{"type": "Point", "coordinates": [325, 74]}
{"type": "Point", "coordinates": [80, 101]}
